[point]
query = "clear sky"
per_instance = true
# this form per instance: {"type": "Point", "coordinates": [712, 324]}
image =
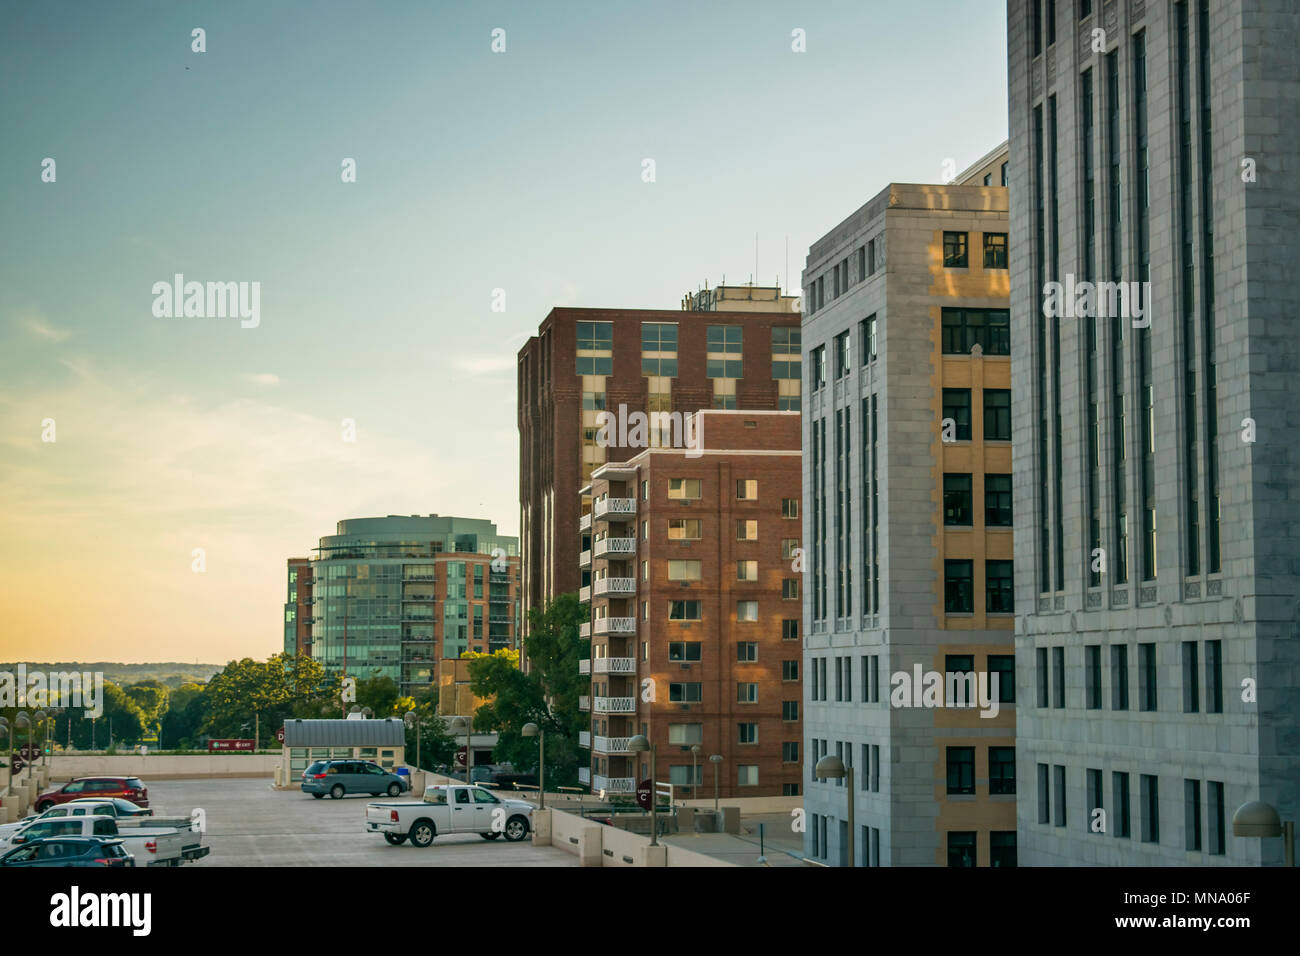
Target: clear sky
{"type": "Point", "coordinates": [475, 171]}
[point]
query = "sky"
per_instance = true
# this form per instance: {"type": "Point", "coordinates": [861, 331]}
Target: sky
{"type": "Point", "coordinates": [475, 171]}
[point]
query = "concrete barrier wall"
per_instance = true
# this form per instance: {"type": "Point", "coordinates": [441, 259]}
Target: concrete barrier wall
{"type": "Point", "coordinates": [615, 847]}
{"type": "Point", "coordinates": [750, 805]}
{"type": "Point", "coordinates": [162, 767]}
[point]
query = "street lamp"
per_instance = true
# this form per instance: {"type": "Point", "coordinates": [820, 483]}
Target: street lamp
{"type": "Point", "coordinates": [530, 729]}
{"type": "Point", "coordinates": [457, 725]}
{"type": "Point", "coordinates": [831, 767]}
{"type": "Point", "coordinates": [639, 744]}
{"type": "Point", "coordinates": [413, 720]}
{"type": "Point", "coordinates": [716, 760]}
{"type": "Point", "coordinates": [1259, 819]}
{"type": "Point", "coordinates": [6, 727]}
{"type": "Point", "coordinates": [21, 720]}
{"type": "Point", "coordinates": [695, 752]}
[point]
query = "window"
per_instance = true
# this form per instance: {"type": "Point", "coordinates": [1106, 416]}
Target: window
{"type": "Point", "coordinates": [790, 751]}
{"type": "Point", "coordinates": [683, 488]}
{"type": "Point", "coordinates": [685, 693]}
{"type": "Point", "coordinates": [958, 587]}
{"type": "Point", "coordinates": [961, 848]}
{"type": "Point", "coordinates": [659, 337]}
{"type": "Point", "coordinates": [1214, 677]}
{"type": "Point", "coordinates": [1092, 675]}
{"type": "Point", "coordinates": [684, 650]}
{"type": "Point", "coordinates": [1004, 174]}
{"type": "Point", "coordinates": [789, 670]}
{"type": "Point", "coordinates": [1002, 770]}
{"type": "Point", "coordinates": [1058, 677]}
{"type": "Point", "coordinates": [788, 548]}
{"type": "Point", "coordinates": [868, 339]}
{"type": "Point", "coordinates": [1191, 678]}
{"type": "Point", "coordinates": [957, 500]}
{"type": "Point", "coordinates": [1094, 801]}
{"type": "Point", "coordinates": [746, 610]}
{"type": "Point", "coordinates": [747, 733]}
{"type": "Point", "coordinates": [790, 589]}
{"type": "Point", "coordinates": [786, 349]}
{"type": "Point", "coordinates": [746, 489]}
{"type": "Point", "coordinates": [790, 629]}
{"type": "Point", "coordinates": [645, 490]}
{"type": "Point", "coordinates": [746, 693]}
{"type": "Point", "coordinates": [684, 529]}
{"type": "Point", "coordinates": [963, 329]}
{"type": "Point", "coordinates": [956, 406]}
{"type": "Point", "coordinates": [843, 358]}
{"type": "Point", "coordinates": [999, 587]}
{"type": "Point", "coordinates": [679, 775]}
{"type": "Point", "coordinates": [997, 501]}
{"type": "Point", "coordinates": [817, 368]}
{"type": "Point", "coordinates": [1003, 667]}
{"type": "Point", "coordinates": [595, 365]}
{"type": "Point", "coordinates": [746, 570]}
{"type": "Point", "coordinates": [1192, 815]}
{"type": "Point", "coordinates": [683, 570]}
{"type": "Point", "coordinates": [1119, 677]}
{"type": "Point", "coordinates": [1146, 677]}
{"type": "Point", "coordinates": [1120, 792]}
{"type": "Point", "coordinates": [747, 776]}
{"type": "Point", "coordinates": [954, 250]}
{"type": "Point", "coordinates": [1214, 799]}
{"type": "Point", "coordinates": [997, 414]}
{"type": "Point", "coordinates": [995, 249]}
{"type": "Point", "coordinates": [593, 401]}
{"type": "Point", "coordinates": [747, 651]}
{"type": "Point", "coordinates": [747, 529]}
{"type": "Point", "coordinates": [988, 179]}
{"type": "Point", "coordinates": [789, 710]}
{"type": "Point", "coordinates": [1058, 785]}
{"type": "Point", "coordinates": [595, 336]}
{"type": "Point", "coordinates": [789, 507]}
{"type": "Point", "coordinates": [684, 610]}
{"type": "Point", "coordinates": [1150, 797]}
{"type": "Point", "coordinates": [1002, 848]}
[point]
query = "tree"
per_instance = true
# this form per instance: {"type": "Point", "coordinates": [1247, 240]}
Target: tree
{"type": "Point", "coordinates": [379, 694]}
{"type": "Point", "coordinates": [261, 694]}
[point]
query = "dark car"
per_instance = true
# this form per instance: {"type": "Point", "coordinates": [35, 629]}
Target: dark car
{"type": "Point", "coordinates": [69, 851]}
{"type": "Point", "coordinates": [341, 777]}
{"type": "Point", "coordinates": [128, 788]}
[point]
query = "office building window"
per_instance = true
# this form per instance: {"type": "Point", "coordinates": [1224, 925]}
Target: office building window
{"type": "Point", "coordinates": [1095, 819]}
{"type": "Point", "coordinates": [963, 329]}
{"type": "Point", "coordinates": [1058, 677]}
{"type": "Point", "coordinates": [956, 407]}
{"type": "Point", "coordinates": [997, 414]}
{"type": "Point", "coordinates": [997, 501]}
{"type": "Point", "coordinates": [747, 775]}
{"type": "Point", "coordinates": [747, 651]}
{"type": "Point", "coordinates": [1121, 825]}
{"type": "Point", "coordinates": [961, 769]}
{"type": "Point", "coordinates": [680, 529]}
{"type": "Point", "coordinates": [1058, 786]}
{"type": "Point", "coordinates": [1041, 671]}
{"type": "Point", "coordinates": [684, 610]}
{"type": "Point", "coordinates": [790, 629]}
{"type": "Point", "coordinates": [790, 751]}
{"type": "Point", "coordinates": [683, 570]}
{"type": "Point", "coordinates": [685, 735]}
{"type": "Point", "coordinates": [957, 508]}
{"type": "Point", "coordinates": [1002, 770]}
{"type": "Point", "coordinates": [685, 693]}
{"type": "Point", "coordinates": [1192, 815]}
{"type": "Point", "coordinates": [1119, 677]}
{"type": "Point", "coordinates": [790, 589]}
{"type": "Point", "coordinates": [868, 327]}
{"type": "Point", "coordinates": [746, 610]}
{"type": "Point", "coordinates": [1150, 796]}
{"type": "Point", "coordinates": [1044, 795]}
{"type": "Point", "coordinates": [1216, 813]}
{"type": "Point", "coordinates": [1191, 678]}
{"type": "Point", "coordinates": [954, 250]}
{"type": "Point", "coordinates": [747, 733]}
{"type": "Point", "coordinates": [1092, 676]}
{"type": "Point", "coordinates": [746, 693]}
{"type": "Point", "coordinates": [1214, 677]}
{"type": "Point", "coordinates": [1004, 174]}
{"type": "Point", "coordinates": [787, 346]}
{"type": "Point", "coordinates": [843, 356]}
{"type": "Point", "coordinates": [683, 488]}
{"type": "Point", "coordinates": [875, 768]}
{"type": "Point", "coordinates": [1147, 677]}
{"type": "Point", "coordinates": [790, 708]}
{"type": "Point", "coordinates": [684, 650]}
{"type": "Point", "coordinates": [1002, 848]}
{"type": "Point", "coordinates": [746, 489]}
{"type": "Point", "coordinates": [958, 587]}
{"type": "Point", "coordinates": [961, 848]}
{"type": "Point", "coordinates": [789, 507]}
{"type": "Point", "coordinates": [995, 248]}
{"type": "Point", "coordinates": [746, 570]}
{"type": "Point", "coordinates": [1002, 668]}
{"type": "Point", "coordinates": [789, 670]}
{"type": "Point", "coordinates": [999, 587]}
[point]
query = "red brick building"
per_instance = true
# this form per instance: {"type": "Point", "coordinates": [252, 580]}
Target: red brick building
{"type": "Point", "coordinates": [297, 608]}
{"type": "Point", "coordinates": [695, 602]}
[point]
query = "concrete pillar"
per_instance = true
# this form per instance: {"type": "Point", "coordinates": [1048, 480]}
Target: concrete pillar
{"type": "Point", "coordinates": [541, 828]}
{"type": "Point", "coordinates": [590, 847]}
{"type": "Point", "coordinates": [729, 820]}
{"type": "Point", "coordinates": [654, 855]}
{"type": "Point", "coordinates": [685, 819]}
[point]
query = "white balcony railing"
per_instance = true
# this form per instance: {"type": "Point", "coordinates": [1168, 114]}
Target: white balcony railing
{"type": "Point", "coordinates": [614, 665]}
{"type": "Point", "coordinates": [584, 775]}
{"type": "Point", "coordinates": [584, 703]}
{"type": "Point", "coordinates": [614, 705]}
{"type": "Point", "coordinates": [584, 594]}
{"type": "Point", "coordinates": [584, 738]}
{"type": "Point", "coordinates": [612, 784]}
{"type": "Point", "coordinates": [584, 559]}
{"type": "Point", "coordinates": [615, 625]}
{"type": "Point", "coordinates": [584, 667]}
{"type": "Point", "coordinates": [614, 586]}
{"type": "Point", "coordinates": [584, 629]}
{"type": "Point", "coordinates": [611, 745]}
{"type": "Point", "coordinates": [615, 507]}
{"type": "Point", "coordinates": [614, 546]}
{"type": "Point", "coordinates": [584, 522]}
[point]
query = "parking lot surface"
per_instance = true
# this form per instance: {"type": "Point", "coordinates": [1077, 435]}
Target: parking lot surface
{"type": "Point", "coordinates": [249, 824]}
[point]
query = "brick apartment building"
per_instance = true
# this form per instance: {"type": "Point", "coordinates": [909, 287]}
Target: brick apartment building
{"type": "Point", "coordinates": [297, 608]}
{"type": "Point", "coordinates": [695, 603]}
{"type": "Point", "coordinates": [729, 347]}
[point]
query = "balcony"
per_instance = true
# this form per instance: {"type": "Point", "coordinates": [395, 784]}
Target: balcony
{"type": "Point", "coordinates": [614, 508]}
{"type": "Point", "coordinates": [584, 559]}
{"type": "Point", "coordinates": [611, 745]}
{"type": "Point", "coordinates": [616, 625]}
{"type": "Point", "coordinates": [614, 546]}
{"type": "Point", "coordinates": [584, 739]}
{"type": "Point", "coordinates": [584, 594]}
{"type": "Point", "coordinates": [584, 703]}
{"type": "Point", "coordinates": [584, 629]}
{"type": "Point", "coordinates": [613, 705]}
{"type": "Point", "coordinates": [584, 667]}
{"type": "Point", "coordinates": [613, 784]}
{"type": "Point", "coordinates": [584, 775]}
{"type": "Point", "coordinates": [584, 523]}
{"type": "Point", "coordinates": [614, 586]}
{"type": "Point", "coordinates": [614, 665]}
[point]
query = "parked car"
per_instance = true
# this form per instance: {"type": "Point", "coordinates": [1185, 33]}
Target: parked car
{"type": "Point", "coordinates": [128, 788]}
{"type": "Point", "coordinates": [150, 846]}
{"type": "Point", "coordinates": [120, 807]}
{"type": "Point", "coordinates": [341, 777]}
{"type": "Point", "coordinates": [450, 808]}
{"type": "Point", "coordinates": [70, 851]}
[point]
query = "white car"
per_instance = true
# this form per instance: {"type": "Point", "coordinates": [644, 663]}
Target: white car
{"type": "Point", "coordinates": [450, 808]}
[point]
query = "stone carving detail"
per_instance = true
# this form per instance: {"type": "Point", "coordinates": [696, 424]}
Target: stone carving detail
{"type": "Point", "coordinates": [1119, 597]}
{"type": "Point", "coordinates": [1109, 17]}
{"type": "Point", "coordinates": [1214, 588]}
{"type": "Point", "coordinates": [1147, 595]}
{"type": "Point", "coordinates": [1059, 603]}
{"type": "Point", "coordinates": [1192, 589]}
{"type": "Point", "coordinates": [1094, 599]}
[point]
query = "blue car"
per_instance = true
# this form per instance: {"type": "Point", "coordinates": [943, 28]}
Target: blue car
{"type": "Point", "coordinates": [341, 777]}
{"type": "Point", "coordinates": [69, 851]}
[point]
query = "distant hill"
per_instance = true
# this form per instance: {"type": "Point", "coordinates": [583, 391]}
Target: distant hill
{"type": "Point", "coordinates": [173, 674]}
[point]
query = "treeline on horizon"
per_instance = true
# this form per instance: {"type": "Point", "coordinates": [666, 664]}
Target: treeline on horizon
{"type": "Point", "coordinates": [171, 673]}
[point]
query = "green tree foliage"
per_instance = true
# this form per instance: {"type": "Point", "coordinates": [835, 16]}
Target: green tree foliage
{"type": "Point", "coordinates": [379, 694]}
{"type": "Point", "coordinates": [151, 696]}
{"type": "Point", "coordinates": [262, 694]}
{"type": "Point", "coordinates": [547, 695]}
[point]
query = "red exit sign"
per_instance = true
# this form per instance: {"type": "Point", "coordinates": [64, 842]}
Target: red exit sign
{"type": "Point", "coordinates": [229, 744]}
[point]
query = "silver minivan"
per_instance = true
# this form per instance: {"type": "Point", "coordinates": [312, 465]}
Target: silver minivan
{"type": "Point", "coordinates": [341, 777]}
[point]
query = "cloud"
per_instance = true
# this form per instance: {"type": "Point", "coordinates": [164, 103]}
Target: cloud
{"type": "Point", "coordinates": [42, 329]}
{"type": "Point", "coordinates": [262, 378]}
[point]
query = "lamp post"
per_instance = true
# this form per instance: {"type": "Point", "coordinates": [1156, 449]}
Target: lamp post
{"type": "Point", "coordinates": [463, 723]}
{"type": "Point", "coordinates": [831, 767]}
{"type": "Point", "coordinates": [1259, 819]}
{"type": "Point", "coordinates": [412, 719]}
{"type": "Point", "coordinates": [6, 727]}
{"type": "Point", "coordinates": [695, 753]}
{"type": "Point", "coordinates": [639, 744]}
{"type": "Point", "coordinates": [530, 729]}
{"type": "Point", "coordinates": [716, 760]}
{"type": "Point", "coordinates": [21, 720]}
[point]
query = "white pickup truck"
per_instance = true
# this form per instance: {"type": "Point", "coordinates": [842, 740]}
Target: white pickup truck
{"type": "Point", "coordinates": [450, 808]}
{"type": "Point", "coordinates": [150, 844]}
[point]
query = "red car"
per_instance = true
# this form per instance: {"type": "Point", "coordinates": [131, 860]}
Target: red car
{"type": "Point", "coordinates": [105, 788]}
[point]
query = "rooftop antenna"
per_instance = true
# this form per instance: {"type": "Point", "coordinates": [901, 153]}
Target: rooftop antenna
{"type": "Point", "coordinates": [755, 276]}
{"type": "Point", "coordinates": [787, 258]}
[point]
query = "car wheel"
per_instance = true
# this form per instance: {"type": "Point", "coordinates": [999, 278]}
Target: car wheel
{"type": "Point", "coordinates": [516, 829]}
{"type": "Point", "coordinates": [394, 789]}
{"type": "Point", "coordinates": [490, 836]}
{"type": "Point", "coordinates": [319, 796]}
{"type": "Point", "coordinates": [337, 791]}
{"type": "Point", "coordinates": [422, 833]}
{"type": "Point", "coordinates": [395, 839]}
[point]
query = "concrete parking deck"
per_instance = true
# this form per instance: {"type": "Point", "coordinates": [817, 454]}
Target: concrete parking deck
{"type": "Point", "coordinates": [249, 824]}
